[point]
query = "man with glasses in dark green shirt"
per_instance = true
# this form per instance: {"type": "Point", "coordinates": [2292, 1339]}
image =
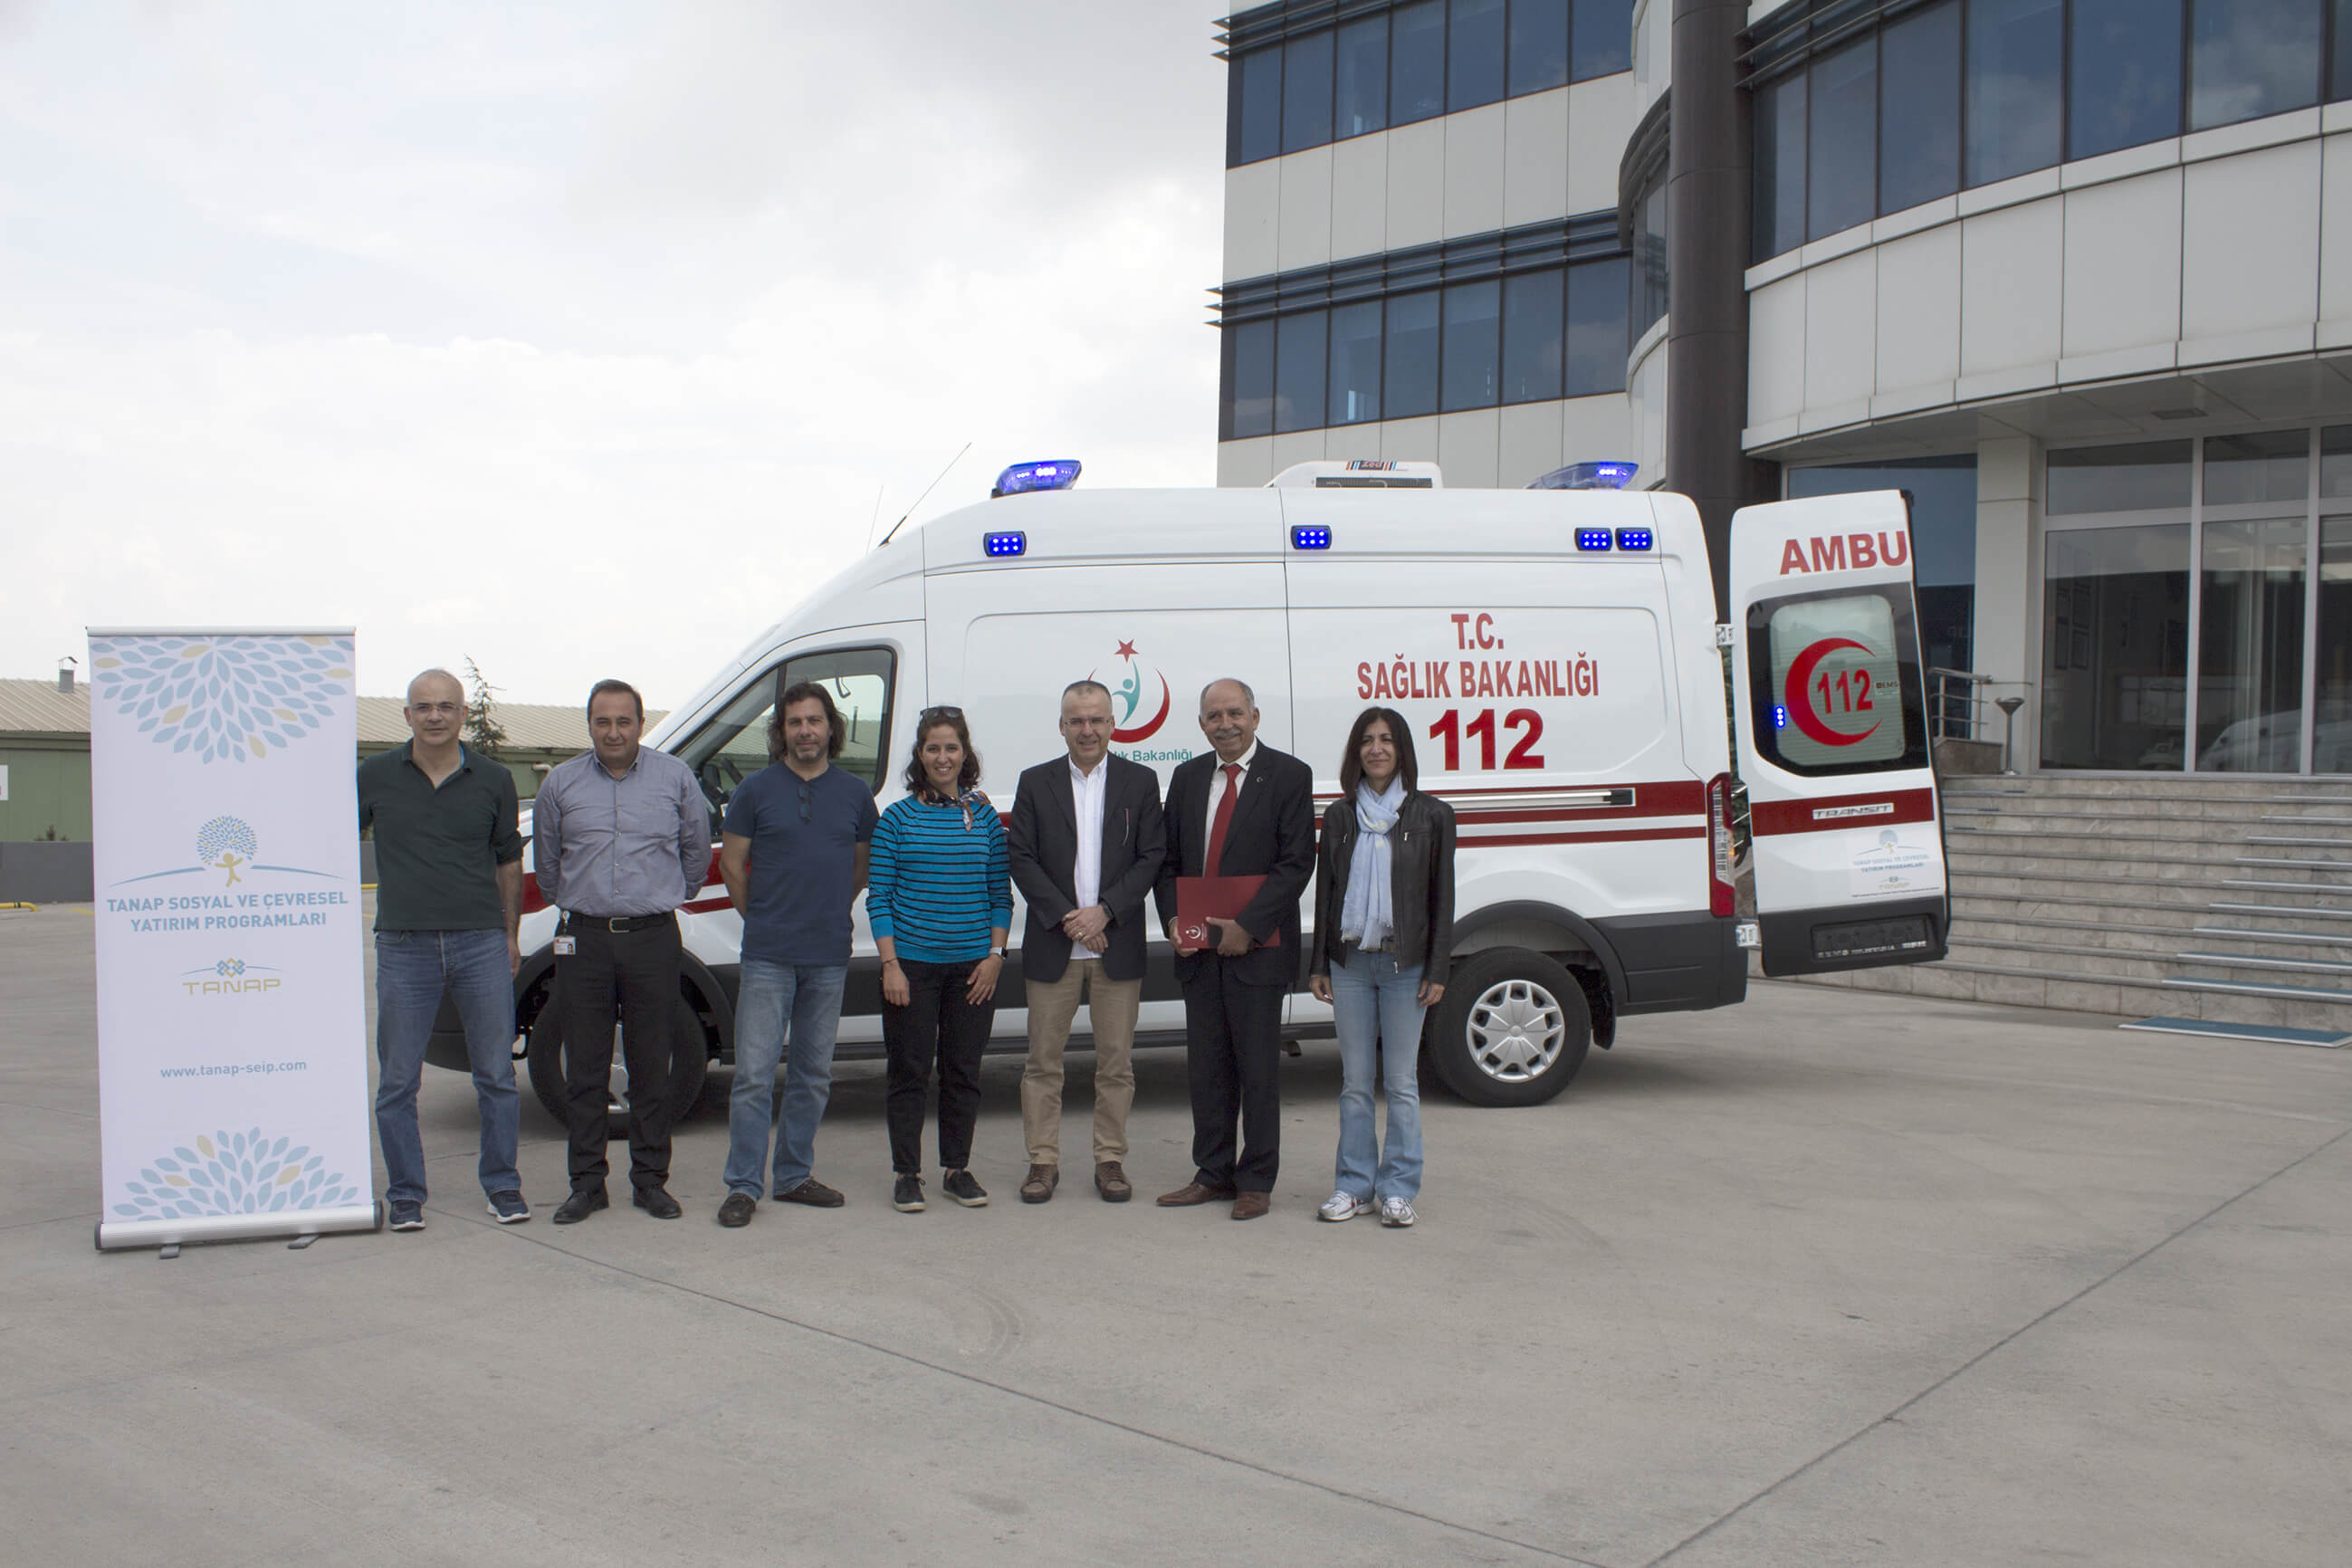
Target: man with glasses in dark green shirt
{"type": "Point", "coordinates": [448, 865]}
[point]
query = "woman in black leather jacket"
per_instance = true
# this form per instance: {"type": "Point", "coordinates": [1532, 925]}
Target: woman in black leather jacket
{"type": "Point", "coordinates": [1383, 945]}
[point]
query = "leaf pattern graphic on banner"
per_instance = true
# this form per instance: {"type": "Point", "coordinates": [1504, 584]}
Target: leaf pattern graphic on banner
{"type": "Point", "coordinates": [234, 1172]}
{"type": "Point", "coordinates": [223, 698]}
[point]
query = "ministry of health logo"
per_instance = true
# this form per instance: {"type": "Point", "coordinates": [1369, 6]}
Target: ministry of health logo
{"type": "Point", "coordinates": [1129, 696]}
{"type": "Point", "coordinates": [227, 699]}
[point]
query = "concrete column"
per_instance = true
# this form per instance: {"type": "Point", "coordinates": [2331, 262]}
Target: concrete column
{"type": "Point", "coordinates": [1707, 175]}
{"type": "Point", "coordinates": [2006, 637]}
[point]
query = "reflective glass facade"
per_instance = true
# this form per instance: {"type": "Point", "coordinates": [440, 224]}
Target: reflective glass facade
{"type": "Point", "coordinates": [1298, 81]}
{"type": "Point", "coordinates": [1863, 110]}
{"type": "Point", "coordinates": [2197, 605]}
{"type": "Point", "coordinates": [1526, 315]}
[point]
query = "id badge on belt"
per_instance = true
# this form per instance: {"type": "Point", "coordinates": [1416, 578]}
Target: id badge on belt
{"type": "Point", "coordinates": [566, 944]}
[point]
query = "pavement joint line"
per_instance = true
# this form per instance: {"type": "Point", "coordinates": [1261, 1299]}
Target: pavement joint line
{"type": "Point", "coordinates": [1987, 1354]}
{"type": "Point", "coordinates": [1072, 1410]}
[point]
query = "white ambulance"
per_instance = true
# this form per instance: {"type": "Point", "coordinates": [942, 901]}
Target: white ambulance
{"type": "Point", "coordinates": [1555, 653]}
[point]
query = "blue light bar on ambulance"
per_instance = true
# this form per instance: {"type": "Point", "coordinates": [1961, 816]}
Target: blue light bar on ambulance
{"type": "Point", "coordinates": [1304, 537]}
{"type": "Point", "coordinates": [1004, 543]}
{"type": "Point", "coordinates": [1633, 539]}
{"type": "Point", "coordinates": [1592, 539]}
{"type": "Point", "coordinates": [1588, 476]}
{"type": "Point", "coordinates": [1059, 474]}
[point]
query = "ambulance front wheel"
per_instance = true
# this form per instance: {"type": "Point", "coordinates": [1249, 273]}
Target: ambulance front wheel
{"type": "Point", "coordinates": [1512, 1030]}
{"type": "Point", "coordinates": [544, 1053]}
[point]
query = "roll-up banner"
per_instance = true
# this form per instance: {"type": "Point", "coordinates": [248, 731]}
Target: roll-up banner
{"type": "Point", "coordinates": [233, 1095]}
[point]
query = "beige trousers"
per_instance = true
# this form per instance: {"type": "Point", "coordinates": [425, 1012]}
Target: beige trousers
{"type": "Point", "coordinates": [1051, 1006]}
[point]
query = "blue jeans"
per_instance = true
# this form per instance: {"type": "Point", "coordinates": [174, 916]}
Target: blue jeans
{"type": "Point", "coordinates": [1375, 1004]}
{"type": "Point", "coordinates": [809, 995]}
{"type": "Point", "coordinates": [413, 968]}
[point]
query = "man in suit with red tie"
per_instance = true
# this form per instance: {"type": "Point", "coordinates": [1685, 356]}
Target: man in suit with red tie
{"type": "Point", "coordinates": [1246, 811]}
{"type": "Point", "coordinates": [1086, 842]}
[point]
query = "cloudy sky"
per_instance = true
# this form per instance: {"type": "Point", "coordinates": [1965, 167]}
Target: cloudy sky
{"type": "Point", "coordinates": [576, 338]}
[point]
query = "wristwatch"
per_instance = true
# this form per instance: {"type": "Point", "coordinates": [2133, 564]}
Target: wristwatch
{"type": "Point", "coordinates": [996, 952]}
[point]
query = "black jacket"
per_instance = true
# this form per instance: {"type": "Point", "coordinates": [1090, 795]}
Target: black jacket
{"type": "Point", "coordinates": [1272, 835]}
{"type": "Point", "coordinates": [1421, 856]}
{"type": "Point", "coordinates": [1042, 841]}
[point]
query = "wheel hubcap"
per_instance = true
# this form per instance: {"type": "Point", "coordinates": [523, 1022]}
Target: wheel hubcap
{"type": "Point", "coordinates": [1515, 1031]}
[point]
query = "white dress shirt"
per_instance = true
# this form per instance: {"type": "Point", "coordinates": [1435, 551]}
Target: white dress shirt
{"type": "Point", "coordinates": [1087, 793]}
{"type": "Point", "coordinates": [1217, 793]}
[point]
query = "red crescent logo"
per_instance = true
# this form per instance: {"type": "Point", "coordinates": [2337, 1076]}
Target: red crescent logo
{"type": "Point", "coordinates": [1800, 706]}
{"type": "Point", "coordinates": [1145, 731]}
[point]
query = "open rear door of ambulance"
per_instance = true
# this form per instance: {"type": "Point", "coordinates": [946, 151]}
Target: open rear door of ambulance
{"type": "Point", "coordinates": [1833, 735]}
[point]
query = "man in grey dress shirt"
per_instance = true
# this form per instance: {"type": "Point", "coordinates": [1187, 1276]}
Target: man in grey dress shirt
{"type": "Point", "coordinates": [622, 837]}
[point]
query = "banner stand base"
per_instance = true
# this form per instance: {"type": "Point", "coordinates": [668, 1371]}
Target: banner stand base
{"type": "Point", "coordinates": [304, 1226]}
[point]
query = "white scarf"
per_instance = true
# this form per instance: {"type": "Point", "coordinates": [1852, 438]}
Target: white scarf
{"type": "Point", "coordinates": [1367, 917]}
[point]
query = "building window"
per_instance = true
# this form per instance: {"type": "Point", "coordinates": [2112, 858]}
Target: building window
{"type": "Point", "coordinates": [1780, 199]}
{"type": "Point", "coordinates": [1649, 298]}
{"type": "Point", "coordinates": [1356, 363]}
{"type": "Point", "coordinates": [2037, 80]}
{"type": "Point", "coordinates": [1306, 92]}
{"type": "Point", "coordinates": [1536, 313]}
{"type": "Point", "coordinates": [1533, 341]}
{"type": "Point", "coordinates": [2124, 80]}
{"type": "Point", "coordinates": [2274, 466]}
{"type": "Point", "coordinates": [2151, 475]}
{"type": "Point", "coordinates": [1919, 107]}
{"type": "Point", "coordinates": [1299, 364]}
{"type": "Point", "coordinates": [1841, 161]}
{"type": "Point", "coordinates": [1411, 386]}
{"type": "Point", "coordinates": [2250, 647]}
{"type": "Point", "coordinates": [2251, 57]}
{"type": "Point", "coordinates": [1469, 374]}
{"type": "Point", "coordinates": [2014, 48]}
{"type": "Point", "coordinates": [1362, 89]}
{"type": "Point", "coordinates": [2335, 461]}
{"type": "Point", "coordinates": [2115, 648]}
{"type": "Point", "coordinates": [1297, 82]}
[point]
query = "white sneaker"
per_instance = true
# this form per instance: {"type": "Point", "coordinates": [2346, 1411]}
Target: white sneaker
{"type": "Point", "coordinates": [1395, 1212]}
{"type": "Point", "coordinates": [1342, 1206]}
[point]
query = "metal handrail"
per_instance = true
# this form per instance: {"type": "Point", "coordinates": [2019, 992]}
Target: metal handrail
{"type": "Point", "coordinates": [1959, 714]}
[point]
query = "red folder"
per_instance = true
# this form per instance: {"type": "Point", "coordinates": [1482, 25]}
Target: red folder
{"type": "Point", "coordinates": [1199, 898]}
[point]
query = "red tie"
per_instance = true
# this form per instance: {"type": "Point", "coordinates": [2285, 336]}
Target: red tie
{"type": "Point", "coordinates": [1222, 820]}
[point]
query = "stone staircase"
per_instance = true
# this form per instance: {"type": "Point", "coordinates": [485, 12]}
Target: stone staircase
{"type": "Point", "coordinates": [2224, 900]}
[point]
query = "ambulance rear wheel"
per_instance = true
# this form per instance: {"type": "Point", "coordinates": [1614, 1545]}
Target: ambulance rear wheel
{"type": "Point", "coordinates": [690, 1064]}
{"type": "Point", "coordinates": [1512, 1029]}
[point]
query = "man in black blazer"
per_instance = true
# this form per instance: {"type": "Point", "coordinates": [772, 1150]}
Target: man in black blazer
{"type": "Point", "coordinates": [1246, 811]}
{"type": "Point", "coordinates": [1086, 842]}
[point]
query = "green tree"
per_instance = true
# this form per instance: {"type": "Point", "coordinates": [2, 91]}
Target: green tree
{"type": "Point", "coordinates": [483, 732]}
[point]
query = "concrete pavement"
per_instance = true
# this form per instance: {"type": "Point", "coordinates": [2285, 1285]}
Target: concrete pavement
{"type": "Point", "coordinates": [1829, 1278]}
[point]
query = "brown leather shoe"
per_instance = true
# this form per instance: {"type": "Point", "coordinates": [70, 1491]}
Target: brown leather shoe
{"type": "Point", "coordinates": [1111, 1182]}
{"type": "Point", "coordinates": [1191, 1195]}
{"type": "Point", "coordinates": [1251, 1205]}
{"type": "Point", "coordinates": [1043, 1180]}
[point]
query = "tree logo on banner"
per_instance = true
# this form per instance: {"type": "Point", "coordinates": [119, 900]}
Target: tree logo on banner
{"type": "Point", "coordinates": [227, 699]}
{"type": "Point", "coordinates": [224, 844]}
{"type": "Point", "coordinates": [234, 1172]}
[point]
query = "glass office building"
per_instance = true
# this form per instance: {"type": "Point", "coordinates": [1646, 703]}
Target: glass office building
{"type": "Point", "coordinates": [2076, 275]}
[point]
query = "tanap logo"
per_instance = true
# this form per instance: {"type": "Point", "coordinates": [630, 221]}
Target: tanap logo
{"type": "Point", "coordinates": [1127, 698]}
{"type": "Point", "coordinates": [221, 842]}
{"type": "Point", "coordinates": [231, 977]}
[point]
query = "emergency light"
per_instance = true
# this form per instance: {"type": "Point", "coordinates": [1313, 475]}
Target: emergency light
{"type": "Point", "coordinates": [1004, 543]}
{"type": "Point", "coordinates": [1059, 474]}
{"type": "Point", "coordinates": [1592, 539]}
{"type": "Point", "coordinates": [1588, 476]}
{"type": "Point", "coordinates": [1633, 539]}
{"type": "Point", "coordinates": [1306, 537]}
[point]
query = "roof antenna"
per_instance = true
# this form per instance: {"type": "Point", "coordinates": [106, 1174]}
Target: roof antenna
{"type": "Point", "coordinates": [918, 500]}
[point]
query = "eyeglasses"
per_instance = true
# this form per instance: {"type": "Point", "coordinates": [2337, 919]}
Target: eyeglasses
{"type": "Point", "coordinates": [942, 713]}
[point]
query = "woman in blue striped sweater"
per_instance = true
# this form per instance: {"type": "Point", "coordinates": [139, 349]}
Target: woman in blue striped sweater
{"type": "Point", "coordinates": [940, 900]}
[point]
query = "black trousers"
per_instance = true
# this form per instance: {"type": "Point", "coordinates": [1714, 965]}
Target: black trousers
{"type": "Point", "coordinates": [637, 969]}
{"type": "Point", "coordinates": [1233, 1054]}
{"type": "Point", "coordinates": [937, 1025]}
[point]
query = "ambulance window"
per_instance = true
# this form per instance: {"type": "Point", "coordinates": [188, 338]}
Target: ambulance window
{"type": "Point", "coordinates": [1836, 682]}
{"type": "Point", "coordinates": [734, 746]}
